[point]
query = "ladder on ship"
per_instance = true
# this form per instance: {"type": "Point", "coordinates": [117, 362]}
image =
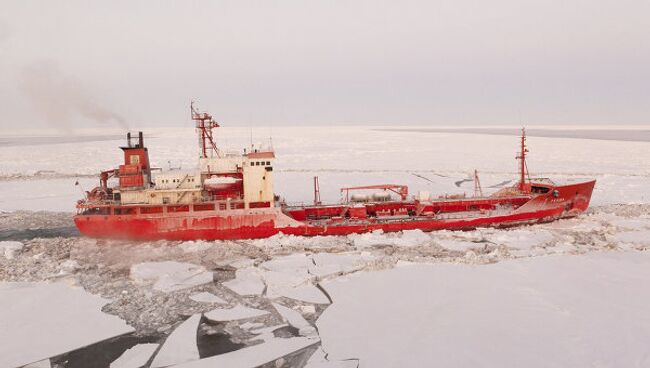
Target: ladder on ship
{"type": "Point", "coordinates": [179, 186]}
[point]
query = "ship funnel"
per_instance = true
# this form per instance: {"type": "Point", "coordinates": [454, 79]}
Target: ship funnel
{"type": "Point", "coordinates": [140, 143]}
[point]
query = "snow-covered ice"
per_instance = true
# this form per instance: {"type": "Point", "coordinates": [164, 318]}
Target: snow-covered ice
{"type": "Point", "coordinates": [556, 311]}
{"type": "Point", "coordinates": [236, 313]}
{"type": "Point", "coordinates": [170, 276]}
{"type": "Point", "coordinates": [180, 346]}
{"type": "Point", "coordinates": [42, 320]}
{"type": "Point", "coordinates": [45, 363]}
{"type": "Point", "coordinates": [639, 237]}
{"type": "Point", "coordinates": [465, 290]}
{"type": "Point", "coordinates": [523, 239]}
{"type": "Point", "coordinates": [408, 238]}
{"type": "Point", "coordinates": [352, 156]}
{"type": "Point", "coordinates": [135, 357]}
{"type": "Point", "coordinates": [457, 244]}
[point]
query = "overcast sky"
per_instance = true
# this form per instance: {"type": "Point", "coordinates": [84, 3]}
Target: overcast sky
{"type": "Point", "coordinates": [130, 63]}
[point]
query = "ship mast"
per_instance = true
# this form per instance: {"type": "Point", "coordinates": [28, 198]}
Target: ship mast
{"type": "Point", "coordinates": [522, 158]}
{"type": "Point", "coordinates": [204, 126]}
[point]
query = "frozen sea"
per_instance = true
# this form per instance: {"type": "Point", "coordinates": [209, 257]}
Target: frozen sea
{"type": "Point", "coordinates": [569, 293]}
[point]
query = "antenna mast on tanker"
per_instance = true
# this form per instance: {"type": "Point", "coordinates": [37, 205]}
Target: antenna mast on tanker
{"type": "Point", "coordinates": [204, 126]}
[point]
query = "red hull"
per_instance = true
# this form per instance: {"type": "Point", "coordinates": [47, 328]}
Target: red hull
{"type": "Point", "coordinates": [562, 201]}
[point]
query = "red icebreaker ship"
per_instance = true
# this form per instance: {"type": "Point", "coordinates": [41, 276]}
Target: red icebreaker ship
{"type": "Point", "coordinates": [230, 196]}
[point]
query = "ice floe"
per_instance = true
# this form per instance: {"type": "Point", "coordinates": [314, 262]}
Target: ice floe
{"type": "Point", "coordinates": [266, 333]}
{"type": "Point", "coordinates": [205, 297]}
{"type": "Point", "coordinates": [181, 345]}
{"type": "Point", "coordinates": [458, 244]}
{"type": "Point", "coordinates": [42, 320]}
{"type": "Point", "coordinates": [170, 275]}
{"type": "Point", "coordinates": [45, 363]}
{"type": "Point", "coordinates": [9, 248]}
{"type": "Point", "coordinates": [329, 264]}
{"type": "Point", "coordinates": [251, 325]}
{"type": "Point", "coordinates": [246, 282]}
{"type": "Point", "coordinates": [407, 238]}
{"type": "Point", "coordinates": [308, 293]}
{"type": "Point", "coordinates": [586, 310]}
{"type": "Point", "coordinates": [319, 360]}
{"type": "Point", "coordinates": [236, 313]}
{"type": "Point", "coordinates": [295, 319]}
{"type": "Point", "coordinates": [256, 355]}
{"type": "Point", "coordinates": [135, 357]}
{"type": "Point", "coordinates": [640, 237]}
{"type": "Point", "coordinates": [519, 238]}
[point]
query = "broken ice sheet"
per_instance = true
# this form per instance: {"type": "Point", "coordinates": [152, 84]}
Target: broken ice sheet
{"type": "Point", "coordinates": [328, 264]}
{"type": "Point", "coordinates": [135, 357]}
{"type": "Point", "coordinates": [195, 246]}
{"type": "Point", "coordinates": [266, 333]}
{"type": "Point", "coordinates": [411, 238]}
{"type": "Point", "coordinates": [458, 244]}
{"type": "Point", "coordinates": [41, 320]}
{"type": "Point", "coordinates": [247, 281]}
{"type": "Point", "coordinates": [296, 320]}
{"type": "Point", "coordinates": [319, 360]}
{"type": "Point", "coordinates": [290, 276]}
{"type": "Point", "coordinates": [406, 238]}
{"type": "Point", "coordinates": [254, 356]}
{"type": "Point", "coordinates": [523, 239]}
{"type": "Point", "coordinates": [301, 242]}
{"type": "Point", "coordinates": [181, 345]}
{"type": "Point", "coordinates": [170, 276]}
{"type": "Point", "coordinates": [278, 282]}
{"type": "Point", "coordinates": [549, 307]}
{"type": "Point", "coordinates": [205, 297]}
{"type": "Point", "coordinates": [585, 224]}
{"type": "Point", "coordinates": [295, 263]}
{"type": "Point", "coordinates": [251, 325]}
{"type": "Point", "coordinates": [236, 313]}
{"type": "Point", "coordinates": [308, 293]}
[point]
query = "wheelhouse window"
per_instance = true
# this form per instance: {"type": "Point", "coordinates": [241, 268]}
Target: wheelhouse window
{"type": "Point", "coordinates": [204, 207]}
{"type": "Point", "coordinates": [97, 211]}
{"type": "Point", "coordinates": [125, 211]}
{"type": "Point", "coordinates": [181, 208]}
{"type": "Point", "coordinates": [535, 189]}
{"type": "Point", "coordinates": [151, 210]}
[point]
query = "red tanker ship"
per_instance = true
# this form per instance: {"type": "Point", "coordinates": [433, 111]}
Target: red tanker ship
{"type": "Point", "coordinates": [230, 196]}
